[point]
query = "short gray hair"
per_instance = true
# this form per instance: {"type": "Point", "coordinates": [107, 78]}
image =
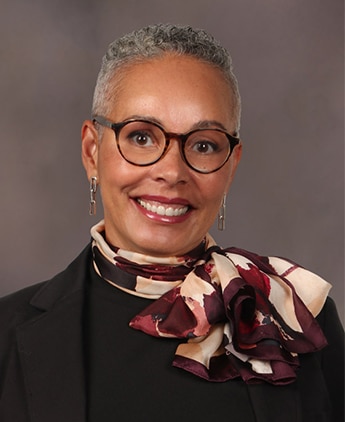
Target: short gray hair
{"type": "Point", "coordinates": [155, 41]}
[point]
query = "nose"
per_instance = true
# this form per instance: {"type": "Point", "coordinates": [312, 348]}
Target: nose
{"type": "Point", "coordinates": [171, 168]}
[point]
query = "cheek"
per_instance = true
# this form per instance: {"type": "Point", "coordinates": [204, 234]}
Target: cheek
{"type": "Point", "coordinates": [214, 186]}
{"type": "Point", "coordinates": [112, 180]}
{"type": "Point", "coordinates": [112, 168]}
{"type": "Point", "coordinates": [117, 178]}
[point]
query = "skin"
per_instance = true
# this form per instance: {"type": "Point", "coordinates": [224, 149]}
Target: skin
{"type": "Point", "coordinates": [179, 93]}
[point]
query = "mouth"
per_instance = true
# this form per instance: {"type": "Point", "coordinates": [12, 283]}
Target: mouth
{"type": "Point", "coordinates": [167, 210]}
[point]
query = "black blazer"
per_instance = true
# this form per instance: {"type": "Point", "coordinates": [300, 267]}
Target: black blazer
{"type": "Point", "coordinates": [42, 376]}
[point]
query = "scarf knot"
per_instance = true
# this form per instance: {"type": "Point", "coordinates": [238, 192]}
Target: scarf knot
{"type": "Point", "coordinates": [237, 314]}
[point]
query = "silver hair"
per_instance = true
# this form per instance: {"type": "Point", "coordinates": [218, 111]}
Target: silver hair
{"type": "Point", "coordinates": [155, 41]}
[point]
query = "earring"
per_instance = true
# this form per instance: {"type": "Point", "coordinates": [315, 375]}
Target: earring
{"type": "Point", "coordinates": [93, 190]}
{"type": "Point", "coordinates": [221, 214]}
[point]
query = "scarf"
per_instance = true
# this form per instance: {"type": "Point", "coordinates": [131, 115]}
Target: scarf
{"type": "Point", "coordinates": [240, 315]}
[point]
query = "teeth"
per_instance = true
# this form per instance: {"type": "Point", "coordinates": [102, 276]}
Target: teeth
{"type": "Point", "coordinates": [161, 210]}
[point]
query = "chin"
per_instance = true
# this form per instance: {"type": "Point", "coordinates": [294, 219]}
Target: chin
{"type": "Point", "coordinates": [159, 250]}
{"type": "Point", "coordinates": [163, 243]}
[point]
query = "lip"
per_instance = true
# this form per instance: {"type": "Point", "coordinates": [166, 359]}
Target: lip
{"type": "Point", "coordinates": [163, 209]}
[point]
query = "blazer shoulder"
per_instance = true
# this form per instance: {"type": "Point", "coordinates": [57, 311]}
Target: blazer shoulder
{"type": "Point", "coordinates": [20, 305]}
{"type": "Point", "coordinates": [331, 358]}
{"type": "Point", "coordinates": [328, 318]}
{"type": "Point", "coordinates": [17, 302]}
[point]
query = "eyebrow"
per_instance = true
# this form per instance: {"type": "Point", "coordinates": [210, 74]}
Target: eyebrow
{"type": "Point", "coordinates": [205, 124]}
{"type": "Point", "coordinates": [201, 124]}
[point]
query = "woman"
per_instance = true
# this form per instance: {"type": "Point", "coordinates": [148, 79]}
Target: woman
{"type": "Point", "coordinates": [153, 320]}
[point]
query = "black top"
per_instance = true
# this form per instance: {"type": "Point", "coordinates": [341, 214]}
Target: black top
{"type": "Point", "coordinates": [130, 373]}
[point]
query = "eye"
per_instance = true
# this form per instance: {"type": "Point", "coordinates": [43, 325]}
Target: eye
{"type": "Point", "coordinates": [141, 138]}
{"type": "Point", "coordinates": [141, 135]}
{"type": "Point", "coordinates": [206, 143]}
{"type": "Point", "coordinates": [204, 147]}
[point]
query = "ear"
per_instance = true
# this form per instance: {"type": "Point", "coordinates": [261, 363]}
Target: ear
{"type": "Point", "coordinates": [89, 148]}
{"type": "Point", "coordinates": [234, 159]}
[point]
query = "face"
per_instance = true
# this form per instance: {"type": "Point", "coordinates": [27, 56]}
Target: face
{"type": "Point", "coordinates": [164, 209]}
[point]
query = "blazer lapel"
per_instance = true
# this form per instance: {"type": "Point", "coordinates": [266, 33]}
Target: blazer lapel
{"type": "Point", "coordinates": [51, 349]}
{"type": "Point", "coordinates": [51, 355]}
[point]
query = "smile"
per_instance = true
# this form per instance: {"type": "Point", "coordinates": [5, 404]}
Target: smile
{"type": "Point", "coordinates": [161, 209]}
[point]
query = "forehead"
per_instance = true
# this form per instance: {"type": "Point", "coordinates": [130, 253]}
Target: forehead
{"type": "Point", "coordinates": [174, 87]}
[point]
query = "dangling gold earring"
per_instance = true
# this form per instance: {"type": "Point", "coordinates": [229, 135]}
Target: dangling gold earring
{"type": "Point", "coordinates": [221, 214]}
{"type": "Point", "coordinates": [93, 190]}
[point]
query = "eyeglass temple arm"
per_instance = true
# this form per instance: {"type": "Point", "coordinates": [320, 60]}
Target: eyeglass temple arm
{"type": "Point", "coordinates": [102, 121]}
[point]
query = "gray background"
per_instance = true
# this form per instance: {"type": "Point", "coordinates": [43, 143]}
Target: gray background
{"type": "Point", "coordinates": [288, 196]}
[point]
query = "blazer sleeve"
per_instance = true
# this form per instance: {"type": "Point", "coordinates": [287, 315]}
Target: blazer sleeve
{"type": "Point", "coordinates": [332, 358]}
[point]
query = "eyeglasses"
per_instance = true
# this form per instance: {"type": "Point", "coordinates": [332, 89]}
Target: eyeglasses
{"type": "Point", "coordinates": [143, 143]}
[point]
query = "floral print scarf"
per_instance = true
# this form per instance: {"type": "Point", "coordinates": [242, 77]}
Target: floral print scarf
{"type": "Point", "coordinates": [239, 314]}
